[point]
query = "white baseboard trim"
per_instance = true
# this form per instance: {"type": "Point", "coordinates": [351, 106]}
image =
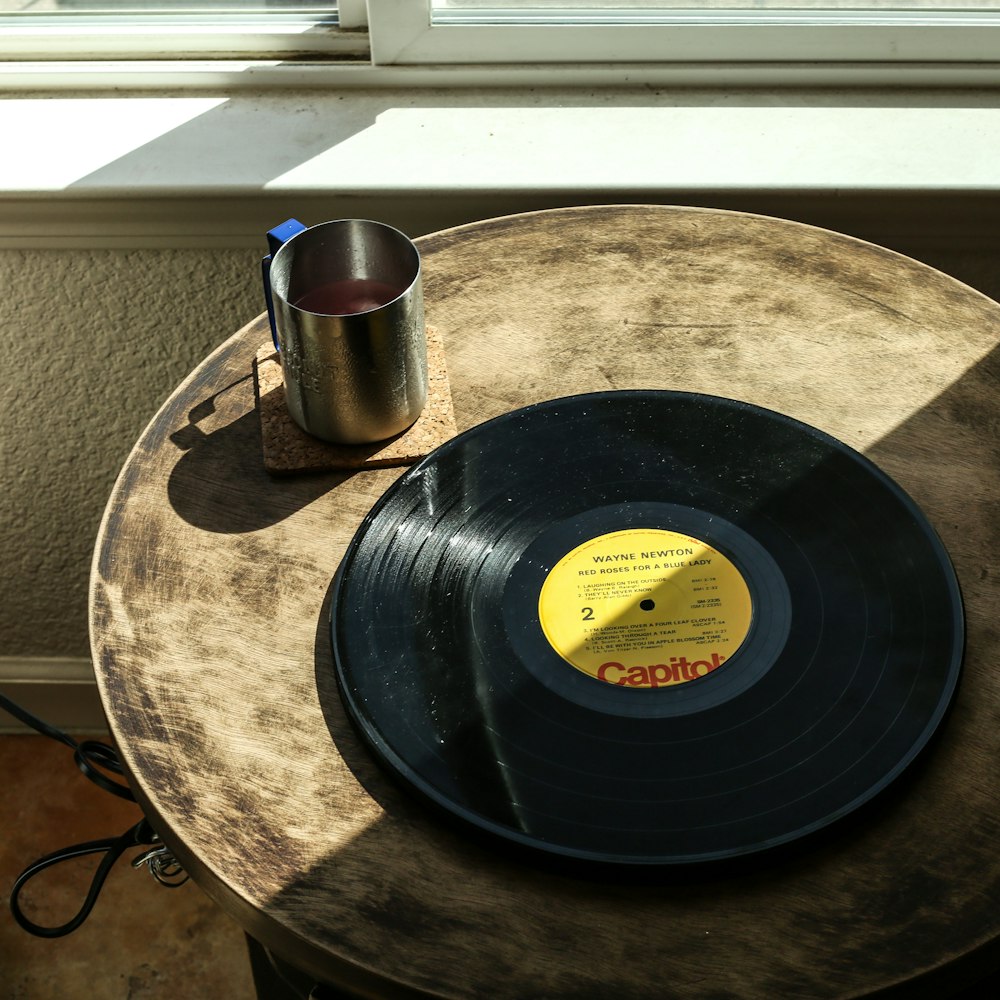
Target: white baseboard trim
{"type": "Point", "coordinates": [61, 691]}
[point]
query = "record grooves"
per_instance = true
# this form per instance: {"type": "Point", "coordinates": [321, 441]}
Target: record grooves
{"type": "Point", "coordinates": [646, 628]}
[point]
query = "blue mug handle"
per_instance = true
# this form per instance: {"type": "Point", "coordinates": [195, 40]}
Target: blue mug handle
{"type": "Point", "coordinates": [275, 237]}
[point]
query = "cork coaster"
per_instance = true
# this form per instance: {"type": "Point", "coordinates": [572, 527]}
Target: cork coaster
{"type": "Point", "coordinates": [288, 448]}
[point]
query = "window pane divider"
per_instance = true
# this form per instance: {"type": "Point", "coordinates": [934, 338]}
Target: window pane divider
{"type": "Point", "coordinates": [708, 16]}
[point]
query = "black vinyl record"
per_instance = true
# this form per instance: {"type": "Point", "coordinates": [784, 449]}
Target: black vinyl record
{"type": "Point", "coordinates": [646, 628]}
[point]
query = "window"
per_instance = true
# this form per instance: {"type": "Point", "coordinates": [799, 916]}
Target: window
{"type": "Point", "coordinates": [653, 31]}
{"type": "Point", "coordinates": [518, 35]}
{"type": "Point", "coordinates": [172, 29]}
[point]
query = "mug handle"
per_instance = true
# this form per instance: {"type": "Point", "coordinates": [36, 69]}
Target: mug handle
{"type": "Point", "coordinates": [275, 237]}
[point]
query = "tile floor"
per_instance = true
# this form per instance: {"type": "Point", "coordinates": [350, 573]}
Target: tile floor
{"type": "Point", "coordinates": [142, 941]}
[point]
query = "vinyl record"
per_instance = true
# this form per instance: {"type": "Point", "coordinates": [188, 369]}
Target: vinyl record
{"type": "Point", "coordinates": [646, 628]}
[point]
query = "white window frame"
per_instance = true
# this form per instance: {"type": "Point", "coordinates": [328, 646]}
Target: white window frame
{"type": "Point", "coordinates": [394, 43]}
{"type": "Point", "coordinates": [274, 35]}
{"type": "Point", "coordinates": [403, 35]}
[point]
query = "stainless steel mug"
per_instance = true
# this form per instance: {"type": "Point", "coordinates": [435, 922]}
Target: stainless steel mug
{"type": "Point", "coordinates": [346, 307]}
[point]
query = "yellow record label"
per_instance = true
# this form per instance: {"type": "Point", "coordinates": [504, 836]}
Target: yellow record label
{"type": "Point", "coordinates": [645, 608]}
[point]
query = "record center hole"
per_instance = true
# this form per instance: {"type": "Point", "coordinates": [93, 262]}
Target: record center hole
{"type": "Point", "coordinates": [647, 605]}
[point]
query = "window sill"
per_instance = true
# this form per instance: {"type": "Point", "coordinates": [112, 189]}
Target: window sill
{"type": "Point", "coordinates": [218, 167]}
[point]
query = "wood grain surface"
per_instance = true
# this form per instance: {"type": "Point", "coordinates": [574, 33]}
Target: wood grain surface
{"type": "Point", "coordinates": [211, 587]}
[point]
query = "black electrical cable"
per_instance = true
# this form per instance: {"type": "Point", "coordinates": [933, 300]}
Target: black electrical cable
{"type": "Point", "coordinates": [90, 756]}
{"type": "Point", "coordinates": [112, 847]}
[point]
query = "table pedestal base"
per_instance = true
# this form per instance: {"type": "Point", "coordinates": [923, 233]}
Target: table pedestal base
{"type": "Point", "coordinates": [274, 979]}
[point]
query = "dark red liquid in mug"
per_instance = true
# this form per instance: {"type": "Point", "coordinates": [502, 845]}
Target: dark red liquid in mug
{"type": "Point", "coordinates": [347, 297]}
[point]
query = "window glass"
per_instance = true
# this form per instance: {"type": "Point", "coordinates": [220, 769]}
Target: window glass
{"type": "Point", "coordinates": [136, 8]}
{"type": "Point", "coordinates": [559, 11]}
{"type": "Point", "coordinates": [106, 30]}
{"type": "Point", "coordinates": [676, 34]}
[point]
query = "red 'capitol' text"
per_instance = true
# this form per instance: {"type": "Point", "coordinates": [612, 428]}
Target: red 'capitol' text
{"type": "Point", "coordinates": [679, 669]}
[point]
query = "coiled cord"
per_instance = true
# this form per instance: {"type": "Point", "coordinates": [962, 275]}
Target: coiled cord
{"type": "Point", "coordinates": [96, 761]}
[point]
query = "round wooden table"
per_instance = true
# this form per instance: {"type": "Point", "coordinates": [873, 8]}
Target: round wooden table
{"type": "Point", "coordinates": [212, 583]}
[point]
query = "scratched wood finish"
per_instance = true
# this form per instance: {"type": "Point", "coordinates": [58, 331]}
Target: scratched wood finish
{"type": "Point", "coordinates": [210, 596]}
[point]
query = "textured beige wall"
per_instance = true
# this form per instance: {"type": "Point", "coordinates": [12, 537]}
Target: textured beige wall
{"type": "Point", "coordinates": [93, 342]}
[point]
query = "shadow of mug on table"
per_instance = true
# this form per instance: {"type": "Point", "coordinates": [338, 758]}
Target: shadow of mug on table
{"type": "Point", "coordinates": [345, 303]}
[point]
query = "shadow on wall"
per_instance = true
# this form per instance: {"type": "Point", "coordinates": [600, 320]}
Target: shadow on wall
{"type": "Point", "coordinates": [242, 142]}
